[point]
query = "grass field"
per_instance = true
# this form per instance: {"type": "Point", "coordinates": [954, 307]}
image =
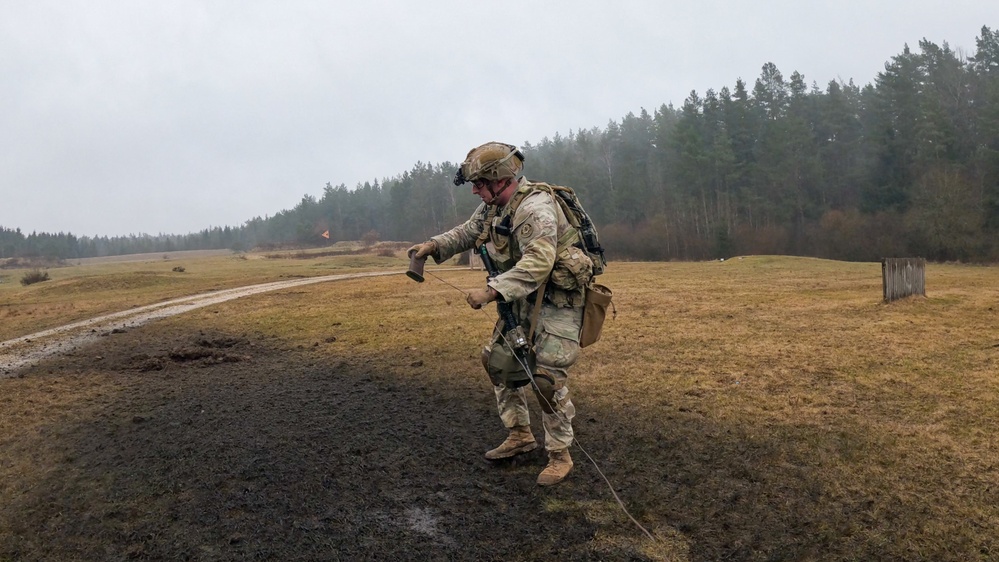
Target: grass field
{"type": "Point", "coordinates": [103, 285]}
{"type": "Point", "coordinates": [761, 408]}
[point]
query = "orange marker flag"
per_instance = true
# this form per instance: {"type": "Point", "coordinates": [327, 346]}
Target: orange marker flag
{"type": "Point", "coordinates": [326, 234]}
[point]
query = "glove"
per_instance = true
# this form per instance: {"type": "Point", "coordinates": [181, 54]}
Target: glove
{"type": "Point", "coordinates": [478, 297]}
{"type": "Point", "coordinates": [422, 250]}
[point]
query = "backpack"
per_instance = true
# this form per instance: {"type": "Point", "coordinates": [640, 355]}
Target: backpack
{"type": "Point", "coordinates": [598, 297]}
{"type": "Point", "coordinates": [579, 220]}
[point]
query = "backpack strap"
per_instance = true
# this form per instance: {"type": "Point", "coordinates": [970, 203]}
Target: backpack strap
{"type": "Point", "coordinates": [488, 222]}
{"type": "Point", "coordinates": [486, 225]}
{"type": "Point", "coordinates": [571, 235]}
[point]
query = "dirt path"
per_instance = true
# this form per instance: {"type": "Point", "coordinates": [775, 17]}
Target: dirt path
{"type": "Point", "coordinates": [18, 353]}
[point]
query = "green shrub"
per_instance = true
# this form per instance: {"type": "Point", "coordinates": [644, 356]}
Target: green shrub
{"type": "Point", "coordinates": [34, 276]}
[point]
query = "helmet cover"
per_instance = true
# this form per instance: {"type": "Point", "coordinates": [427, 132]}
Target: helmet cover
{"type": "Point", "coordinates": [492, 161]}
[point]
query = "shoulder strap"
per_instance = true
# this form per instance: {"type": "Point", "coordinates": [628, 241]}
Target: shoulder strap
{"type": "Point", "coordinates": [518, 198]}
{"type": "Point", "coordinates": [514, 203]}
{"type": "Point", "coordinates": [572, 235]}
{"type": "Point", "coordinates": [486, 225]}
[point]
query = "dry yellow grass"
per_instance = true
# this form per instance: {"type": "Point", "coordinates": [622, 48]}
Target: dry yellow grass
{"type": "Point", "coordinates": [758, 408]}
{"type": "Point", "coordinates": [819, 395]}
{"type": "Point", "coordinates": [77, 292]}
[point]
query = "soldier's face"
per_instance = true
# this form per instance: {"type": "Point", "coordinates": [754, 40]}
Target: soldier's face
{"type": "Point", "coordinates": [491, 192]}
{"type": "Point", "coordinates": [485, 189]}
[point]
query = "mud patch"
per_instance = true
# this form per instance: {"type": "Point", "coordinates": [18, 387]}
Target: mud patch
{"type": "Point", "coordinates": [206, 351]}
{"type": "Point", "coordinates": [280, 457]}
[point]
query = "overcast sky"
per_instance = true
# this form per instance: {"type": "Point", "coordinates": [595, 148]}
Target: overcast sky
{"type": "Point", "coordinates": [128, 117]}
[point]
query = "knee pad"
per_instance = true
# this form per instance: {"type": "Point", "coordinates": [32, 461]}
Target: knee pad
{"type": "Point", "coordinates": [545, 388]}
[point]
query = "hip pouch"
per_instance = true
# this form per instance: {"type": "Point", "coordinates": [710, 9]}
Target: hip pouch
{"type": "Point", "coordinates": [504, 368]}
{"type": "Point", "coordinates": [598, 298]}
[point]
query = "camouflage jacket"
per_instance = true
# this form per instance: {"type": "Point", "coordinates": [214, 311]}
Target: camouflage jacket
{"type": "Point", "coordinates": [539, 246]}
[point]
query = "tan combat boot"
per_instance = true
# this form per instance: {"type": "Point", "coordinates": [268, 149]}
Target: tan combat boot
{"type": "Point", "coordinates": [559, 465]}
{"type": "Point", "coordinates": [520, 440]}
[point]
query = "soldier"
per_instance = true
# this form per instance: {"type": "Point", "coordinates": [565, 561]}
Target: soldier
{"type": "Point", "coordinates": [543, 275]}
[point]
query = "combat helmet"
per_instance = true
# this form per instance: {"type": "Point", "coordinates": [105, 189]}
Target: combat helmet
{"type": "Point", "coordinates": [492, 161]}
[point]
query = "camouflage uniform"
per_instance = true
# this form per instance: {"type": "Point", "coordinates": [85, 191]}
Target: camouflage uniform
{"type": "Point", "coordinates": [538, 248]}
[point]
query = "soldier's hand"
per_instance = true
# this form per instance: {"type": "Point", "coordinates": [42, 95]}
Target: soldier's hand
{"type": "Point", "coordinates": [422, 250]}
{"type": "Point", "coordinates": [477, 298]}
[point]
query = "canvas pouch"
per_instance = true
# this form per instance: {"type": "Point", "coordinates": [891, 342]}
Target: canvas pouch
{"type": "Point", "coordinates": [598, 299]}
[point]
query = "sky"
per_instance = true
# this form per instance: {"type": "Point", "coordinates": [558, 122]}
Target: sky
{"type": "Point", "coordinates": [172, 116]}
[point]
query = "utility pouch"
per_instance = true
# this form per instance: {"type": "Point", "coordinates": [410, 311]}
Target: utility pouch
{"type": "Point", "coordinates": [598, 298]}
{"type": "Point", "coordinates": [504, 368]}
{"type": "Point", "coordinates": [572, 269]}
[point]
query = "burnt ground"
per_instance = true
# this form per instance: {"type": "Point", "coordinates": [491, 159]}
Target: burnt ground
{"type": "Point", "coordinates": [160, 444]}
{"type": "Point", "coordinates": [207, 447]}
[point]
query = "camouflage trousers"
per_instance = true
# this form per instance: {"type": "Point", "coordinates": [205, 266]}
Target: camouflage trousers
{"type": "Point", "coordinates": [556, 348]}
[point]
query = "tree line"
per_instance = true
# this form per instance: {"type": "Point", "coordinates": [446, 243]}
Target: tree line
{"type": "Point", "coordinates": [905, 166]}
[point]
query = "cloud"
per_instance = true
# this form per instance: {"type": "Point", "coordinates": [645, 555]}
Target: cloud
{"type": "Point", "coordinates": [126, 117]}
